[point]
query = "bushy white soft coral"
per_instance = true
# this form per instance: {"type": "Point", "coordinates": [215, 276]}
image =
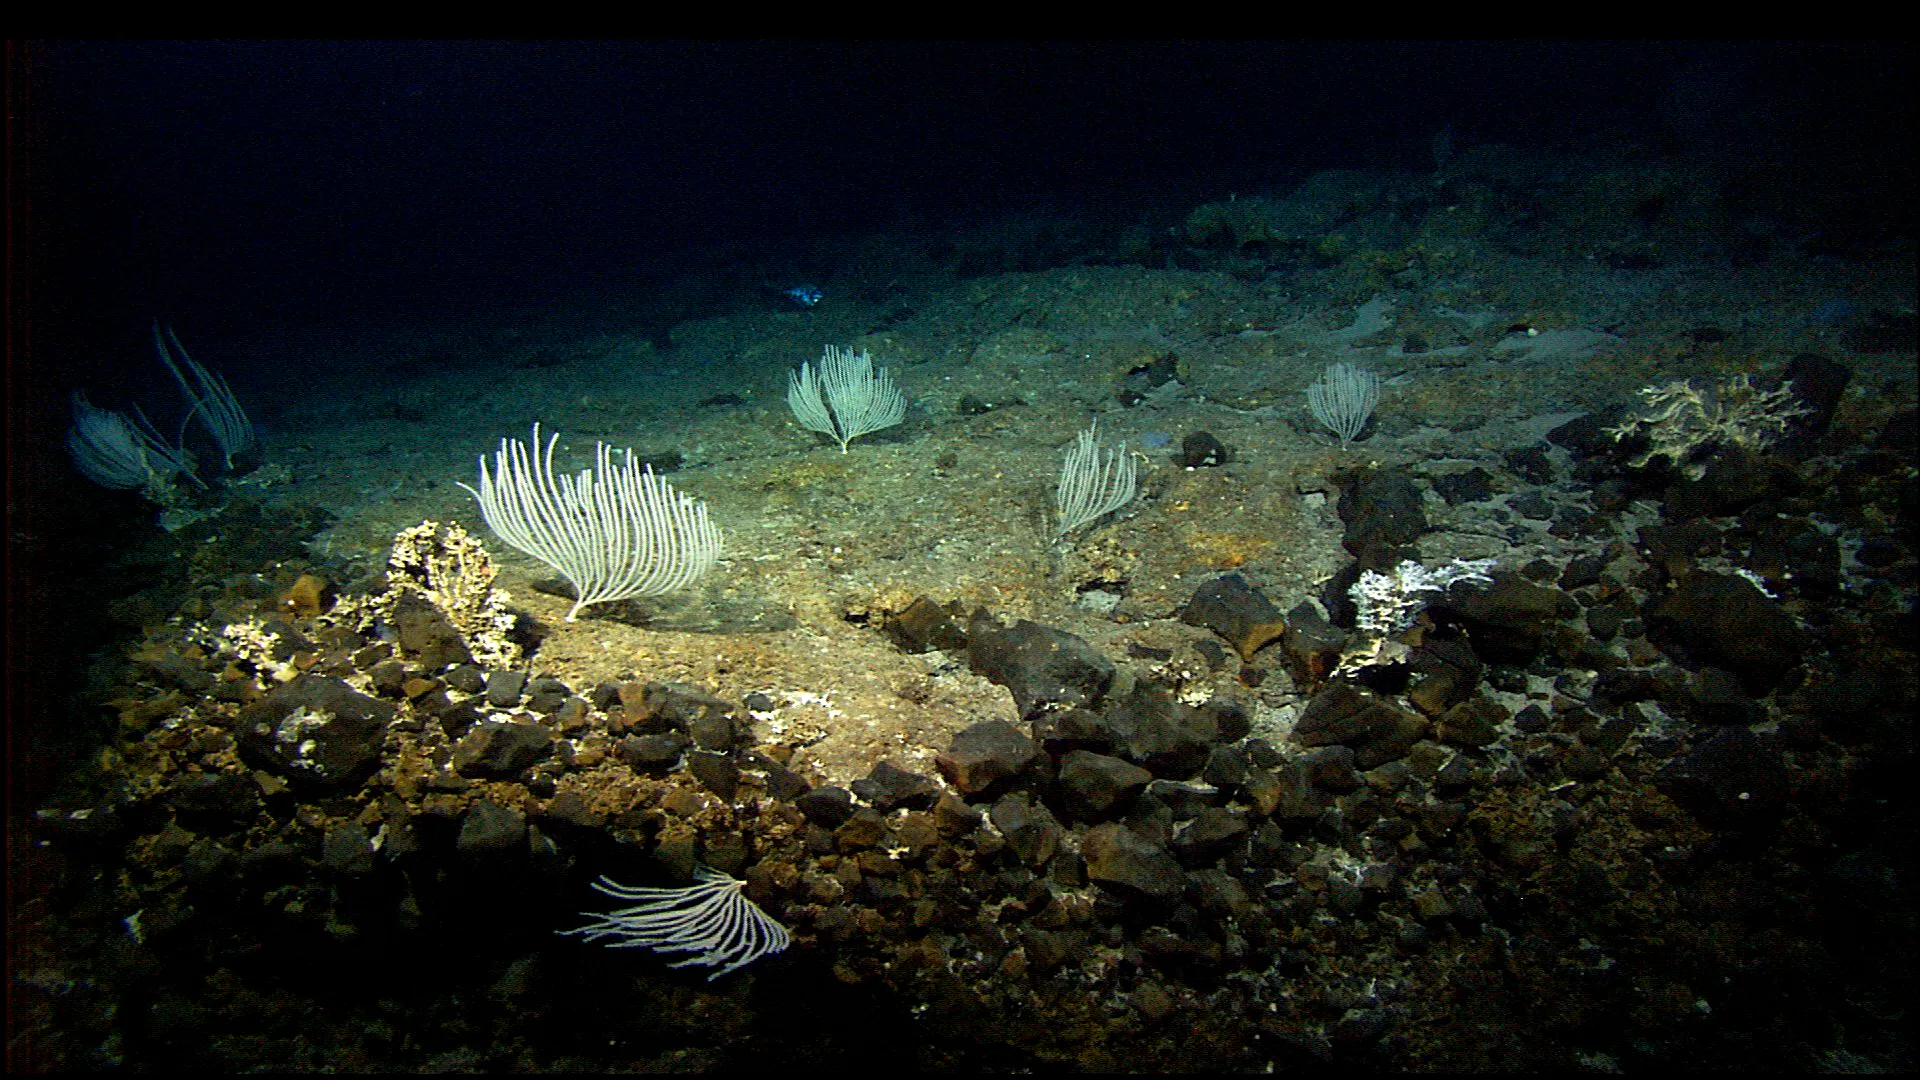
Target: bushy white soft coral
{"type": "Point", "coordinates": [252, 642]}
{"type": "Point", "coordinates": [451, 570]}
{"type": "Point", "coordinates": [1387, 603]}
{"type": "Point", "coordinates": [1688, 417]}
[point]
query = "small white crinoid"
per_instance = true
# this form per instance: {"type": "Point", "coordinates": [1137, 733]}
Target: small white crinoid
{"type": "Point", "coordinates": [712, 918]}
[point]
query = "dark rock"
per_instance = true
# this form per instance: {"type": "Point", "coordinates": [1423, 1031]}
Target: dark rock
{"type": "Point", "coordinates": [888, 787]}
{"type": "Point", "coordinates": [604, 696]}
{"type": "Point", "coordinates": [1445, 671]}
{"type": "Point", "coordinates": [424, 634]}
{"type": "Point", "coordinates": [1867, 708]}
{"type": "Point", "coordinates": [988, 753]}
{"type": "Point", "coordinates": [678, 705]}
{"type": "Point", "coordinates": [1585, 763]}
{"type": "Point", "coordinates": [1152, 730]}
{"type": "Point", "coordinates": [1717, 697]}
{"type": "Point", "coordinates": [1590, 436]}
{"type": "Point", "coordinates": [501, 751]}
{"type": "Point", "coordinates": [1622, 685]}
{"type": "Point", "coordinates": [1220, 895]}
{"type": "Point", "coordinates": [426, 702]}
{"type": "Point", "coordinates": [1584, 570]}
{"type": "Point", "coordinates": [1092, 785]}
{"type": "Point", "coordinates": [287, 639]}
{"type": "Point", "coordinates": [209, 866]}
{"type": "Point", "coordinates": [1359, 1028]}
{"type": "Point", "coordinates": [548, 702]}
{"type": "Point", "coordinates": [387, 678]}
{"type": "Point", "coordinates": [1313, 646]}
{"type": "Point", "coordinates": [467, 678]}
{"type": "Point", "coordinates": [1336, 596]}
{"type": "Point", "coordinates": [1457, 774]}
{"type": "Point", "coordinates": [1121, 860]}
{"type": "Point", "coordinates": [656, 751]}
{"type": "Point", "coordinates": [1539, 570]}
{"type": "Point", "coordinates": [1201, 450]}
{"type": "Point", "coordinates": [1330, 768]}
{"type": "Point", "coordinates": [1382, 513]}
{"type": "Point", "coordinates": [1236, 611]}
{"type": "Point", "coordinates": [1531, 463]}
{"type": "Point", "coordinates": [1812, 560]}
{"type": "Point", "coordinates": [1883, 331]}
{"type": "Point", "coordinates": [865, 828]}
{"type": "Point", "coordinates": [365, 658]}
{"type": "Point", "coordinates": [1818, 384]}
{"type": "Point", "coordinates": [1040, 665]}
{"type": "Point", "coordinates": [1071, 729]}
{"type": "Point", "coordinates": [1531, 504]}
{"type": "Point", "coordinates": [572, 808]}
{"type": "Point", "coordinates": [1214, 830]}
{"type": "Point", "coordinates": [1283, 792]}
{"type": "Point", "coordinates": [348, 850]}
{"type": "Point", "coordinates": [1231, 718]}
{"type": "Point", "coordinates": [1725, 621]}
{"type": "Point", "coordinates": [504, 688]}
{"type": "Point", "coordinates": [1474, 722]}
{"type": "Point", "coordinates": [1226, 767]}
{"type": "Point", "coordinates": [715, 773]}
{"type": "Point", "coordinates": [1344, 714]}
{"type": "Point", "coordinates": [1029, 827]}
{"type": "Point", "coordinates": [1512, 619]}
{"type": "Point", "coordinates": [713, 732]}
{"type": "Point", "coordinates": [925, 626]}
{"type": "Point", "coordinates": [1211, 652]}
{"type": "Point", "coordinates": [1182, 947]}
{"type": "Point", "coordinates": [784, 783]}
{"type": "Point", "coordinates": [547, 684]}
{"type": "Point", "coordinates": [1183, 801]}
{"type": "Point", "coordinates": [456, 719]}
{"type": "Point", "coordinates": [1672, 547]}
{"type": "Point", "coordinates": [1731, 778]}
{"type": "Point", "coordinates": [1046, 950]}
{"type": "Point", "coordinates": [953, 817]}
{"type": "Point", "coordinates": [1879, 552]}
{"type": "Point", "coordinates": [215, 802]}
{"type": "Point", "coordinates": [1735, 479]}
{"type": "Point", "coordinates": [491, 829]}
{"type": "Point", "coordinates": [1900, 435]}
{"type": "Point", "coordinates": [1474, 485]}
{"type": "Point", "coordinates": [828, 807]}
{"type": "Point", "coordinates": [315, 731]}
{"type": "Point", "coordinates": [1144, 378]}
{"type": "Point", "coordinates": [1604, 623]}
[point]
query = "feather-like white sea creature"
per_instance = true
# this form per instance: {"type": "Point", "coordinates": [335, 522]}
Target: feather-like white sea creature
{"type": "Point", "coordinates": [712, 918]}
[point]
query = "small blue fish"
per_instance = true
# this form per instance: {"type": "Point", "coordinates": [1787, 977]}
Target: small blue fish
{"type": "Point", "coordinates": [806, 295]}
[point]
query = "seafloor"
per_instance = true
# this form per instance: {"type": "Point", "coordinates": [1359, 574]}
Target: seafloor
{"type": "Point", "coordinates": [1643, 799]}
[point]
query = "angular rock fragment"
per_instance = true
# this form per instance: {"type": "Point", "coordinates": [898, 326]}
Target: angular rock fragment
{"type": "Point", "coordinates": [988, 753]}
{"type": "Point", "coordinates": [1040, 665]}
{"type": "Point", "coordinates": [1237, 611]}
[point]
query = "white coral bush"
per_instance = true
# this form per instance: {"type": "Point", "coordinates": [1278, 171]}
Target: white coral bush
{"type": "Point", "coordinates": [1687, 418]}
{"type": "Point", "coordinates": [447, 567]}
{"type": "Point", "coordinates": [1387, 604]}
